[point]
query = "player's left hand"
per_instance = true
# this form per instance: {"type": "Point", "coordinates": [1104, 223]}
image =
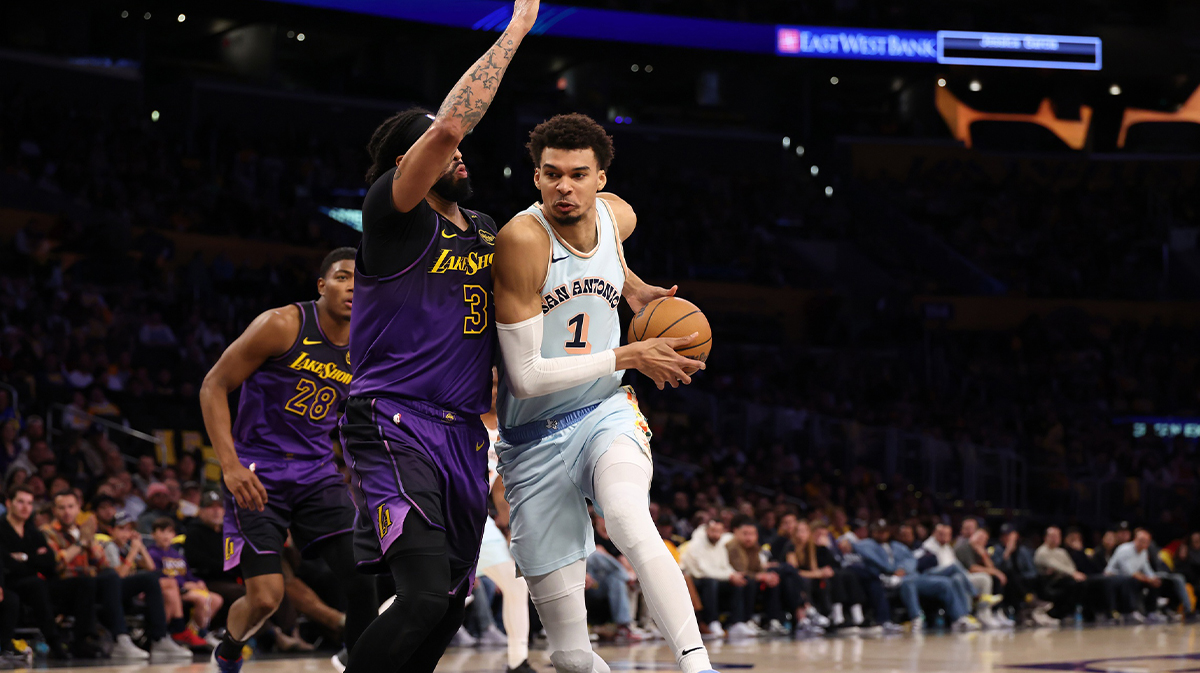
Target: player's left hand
{"type": "Point", "coordinates": [643, 294]}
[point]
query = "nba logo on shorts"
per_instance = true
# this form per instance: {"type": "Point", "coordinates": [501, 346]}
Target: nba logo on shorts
{"type": "Point", "coordinates": [385, 520]}
{"type": "Point", "coordinates": [228, 548]}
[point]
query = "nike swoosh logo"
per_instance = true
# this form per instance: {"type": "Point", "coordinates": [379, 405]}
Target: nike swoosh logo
{"type": "Point", "coordinates": [311, 343]}
{"type": "Point", "coordinates": [687, 652]}
{"type": "Point", "coordinates": [477, 448]}
{"type": "Point", "coordinates": [559, 259]}
{"type": "Point", "coordinates": [445, 235]}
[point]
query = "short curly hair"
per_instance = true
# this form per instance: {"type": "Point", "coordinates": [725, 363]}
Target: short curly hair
{"type": "Point", "coordinates": [571, 132]}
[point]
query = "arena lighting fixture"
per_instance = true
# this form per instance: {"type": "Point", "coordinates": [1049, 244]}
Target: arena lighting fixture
{"type": "Point", "coordinates": [815, 171]}
{"type": "Point", "coordinates": [291, 34]}
{"type": "Point", "coordinates": [181, 18]}
{"type": "Point", "coordinates": [834, 80]}
{"type": "Point", "coordinates": [787, 142]}
{"type": "Point", "coordinates": [299, 37]}
{"type": "Point", "coordinates": [154, 115]}
{"type": "Point", "coordinates": [124, 14]}
{"type": "Point", "coordinates": [1115, 90]}
{"type": "Point", "coordinates": [649, 68]}
{"type": "Point", "coordinates": [634, 67]}
{"type": "Point", "coordinates": [146, 16]}
{"type": "Point", "coordinates": [942, 81]}
{"type": "Point", "coordinates": [507, 172]}
{"type": "Point", "coordinates": [976, 85]}
{"type": "Point", "coordinates": [829, 193]}
{"type": "Point", "coordinates": [799, 150]}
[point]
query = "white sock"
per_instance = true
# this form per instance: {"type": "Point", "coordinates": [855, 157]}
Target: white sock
{"type": "Point", "coordinates": [516, 612]}
{"type": "Point", "coordinates": [837, 616]}
{"type": "Point", "coordinates": [856, 615]}
{"type": "Point", "coordinates": [622, 484]}
{"type": "Point", "coordinates": [558, 597]}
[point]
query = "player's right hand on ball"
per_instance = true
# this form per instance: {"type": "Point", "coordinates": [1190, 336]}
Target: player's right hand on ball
{"type": "Point", "coordinates": [246, 488]}
{"type": "Point", "coordinates": [657, 359]}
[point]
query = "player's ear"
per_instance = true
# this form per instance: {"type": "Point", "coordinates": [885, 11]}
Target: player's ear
{"type": "Point", "coordinates": [537, 178]}
{"type": "Point", "coordinates": [603, 179]}
{"type": "Point", "coordinates": [399, 159]}
{"type": "Point", "coordinates": [321, 286]}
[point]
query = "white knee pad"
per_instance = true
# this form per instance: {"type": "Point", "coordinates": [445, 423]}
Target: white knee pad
{"type": "Point", "coordinates": [622, 484]}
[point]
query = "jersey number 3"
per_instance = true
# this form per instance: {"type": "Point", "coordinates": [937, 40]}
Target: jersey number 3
{"type": "Point", "coordinates": [477, 301]}
{"type": "Point", "coordinates": [579, 344]}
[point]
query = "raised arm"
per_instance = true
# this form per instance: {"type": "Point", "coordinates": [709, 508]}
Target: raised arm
{"type": "Point", "coordinates": [637, 292]}
{"type": "Point", "coordinates": [270, 335]}
{"type": "Point", "coordinates": [518, 273]}
{"type": "Point", "coordinates": [465, 105]}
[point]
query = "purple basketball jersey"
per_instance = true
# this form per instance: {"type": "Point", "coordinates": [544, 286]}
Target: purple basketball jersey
{"type": "Point", "coordinates": [288, 406]}
{"type": "Point", "coordinates": [426, 333]}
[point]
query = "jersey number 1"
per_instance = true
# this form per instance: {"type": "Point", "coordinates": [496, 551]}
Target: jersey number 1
{"type": "Point", "coordinates": [579, 345]}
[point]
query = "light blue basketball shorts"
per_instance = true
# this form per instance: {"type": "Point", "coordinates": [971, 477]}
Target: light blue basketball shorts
{"type": "Point", "coordinates": [548, 468]}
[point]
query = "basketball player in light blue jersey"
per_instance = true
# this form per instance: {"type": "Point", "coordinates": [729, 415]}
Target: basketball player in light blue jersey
{"type": "Point", "coordinates": [568, 431]}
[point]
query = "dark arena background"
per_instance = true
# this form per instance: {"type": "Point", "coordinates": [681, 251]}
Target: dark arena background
{"type": "Point", "coordinates": [948, 251]}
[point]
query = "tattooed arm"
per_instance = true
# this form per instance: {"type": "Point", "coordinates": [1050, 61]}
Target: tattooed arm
{"type": "Point", "coordinates": [466, 104]}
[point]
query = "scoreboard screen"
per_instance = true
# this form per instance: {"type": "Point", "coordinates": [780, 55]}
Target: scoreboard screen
{"type": "Point", "coordinates": [1014, 50]}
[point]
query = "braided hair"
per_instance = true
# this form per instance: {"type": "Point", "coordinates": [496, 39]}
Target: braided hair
{"type": "Point", "coordinates": [393, 138]}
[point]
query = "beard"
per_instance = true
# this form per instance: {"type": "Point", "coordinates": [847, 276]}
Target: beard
{"type": "Point", "coordinates": [453, 189]}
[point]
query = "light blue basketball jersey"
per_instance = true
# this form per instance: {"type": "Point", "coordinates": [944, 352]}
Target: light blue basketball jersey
{"type": "Point", "coordinates": [579, 317]}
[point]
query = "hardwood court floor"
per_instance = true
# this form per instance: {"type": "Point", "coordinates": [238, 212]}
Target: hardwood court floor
{"type": "Point", "coordinates": [1147, 649]}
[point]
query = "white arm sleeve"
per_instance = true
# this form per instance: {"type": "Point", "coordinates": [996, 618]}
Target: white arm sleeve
{"type": "Point", "coordinates": [531, 375]}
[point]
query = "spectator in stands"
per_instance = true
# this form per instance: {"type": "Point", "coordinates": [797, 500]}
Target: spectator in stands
{"type": "Point", "coordinates": [747, 557]}
{"type": "Point", "coordinates": [105, 509]}
{"type": "Point", "coordinates": [1062, 582]}
{"type": "Point", "coordinates": [1103, 592]}
{"type": "Point", "coordinates": [10, 449]}
{"type": "Point", "coordinates": [7, 411]}
{"type": "Point", "coordinates": [187, 589]}
{"type": "Point", "coordinates": [81, 557]}
{"type": "Point", "coordinates": [158, 497]}
{"type": "Point", "coordinates": [126, 553]}
{"type": "Point", "coordinates": [35, 431]}
{"type": "Point", "coordinates": [897, 568]}
{"type": "Point", "coordinates": [824, 581]}
{"type": "Point", "coordinates": [204, 550]}
{"type": "Point", "coordinates": [705, 560]}
{"type": "Point", "coordinates": [99, 405]}
{"type": "Point", "coordinates": [965, 530]}
{"type": "Point", "coordinates": [189, 500]}
{"type": "Point", "coordinates": [146, 475]}
{"type": "Point", "coordinates": [1132, 560]}
{"type": "Point", "coordinates": [75, 416]}
{"type": "Point", "coordinates": [1187, 558]}
{"type": "Point", "coordinates": [30, 573]}
{"type": "Point", "coordinates": [780, 543]}
{"type": "Point", "coordinates": [977, 584]}
{"type": "Point", "coordinates": [1174, 585]}
{"type": "Point", "coordinates": [614, 577]}
{"type": "Point", "coordinates": [972, 553]}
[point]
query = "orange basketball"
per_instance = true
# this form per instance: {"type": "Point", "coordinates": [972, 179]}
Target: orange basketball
{"type": "Point", "coordinates": [673, 317]}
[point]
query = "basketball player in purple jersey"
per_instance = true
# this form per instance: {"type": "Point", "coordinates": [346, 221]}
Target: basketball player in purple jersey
{"type": "Point", "coordinates": [293, 366]}
{"type": "Point", "coordinates": [422, 341]}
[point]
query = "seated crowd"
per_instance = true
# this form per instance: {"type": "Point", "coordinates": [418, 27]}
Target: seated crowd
{"type": "Point", "coordinates": [779, 574]}
{"type": "Point", "coordinates": [137, 570]}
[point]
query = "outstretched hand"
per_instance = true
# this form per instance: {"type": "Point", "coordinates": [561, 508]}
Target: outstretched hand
{"type": "Point", "coordinates": [525, 13]}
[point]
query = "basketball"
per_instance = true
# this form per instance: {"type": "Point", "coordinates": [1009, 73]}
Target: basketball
{"type": "Point", "coordinates": [672, 317]}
